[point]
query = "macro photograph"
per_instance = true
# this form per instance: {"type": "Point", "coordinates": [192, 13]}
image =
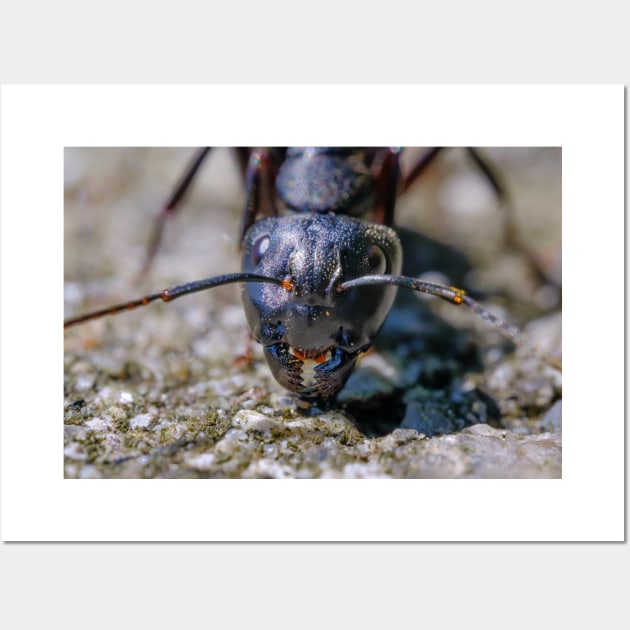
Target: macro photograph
{"type": "Point", "coordinates": [313, 312]}
{"type": "Point", "coordinates": [332, 246]}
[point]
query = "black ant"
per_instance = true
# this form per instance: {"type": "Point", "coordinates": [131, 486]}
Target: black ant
{"type": "Point", "coordinates": [321, 268]}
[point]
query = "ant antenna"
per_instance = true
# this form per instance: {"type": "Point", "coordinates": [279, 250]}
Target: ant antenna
{"type": "Point", "coordinates": [450, 294]}
{"type": "Point", "coordinates": [172, 293]}
{"type": "Point", "coordinates": [458, 297]}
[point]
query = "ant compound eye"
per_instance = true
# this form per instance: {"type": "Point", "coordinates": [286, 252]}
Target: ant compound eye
{"type": "Point", "coordinates": [377, 260]}
{"type": "Point", "coordinates": [259, 248]}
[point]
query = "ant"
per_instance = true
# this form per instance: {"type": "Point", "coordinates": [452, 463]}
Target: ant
{"type": "Point", "coordinates": [321, 262]}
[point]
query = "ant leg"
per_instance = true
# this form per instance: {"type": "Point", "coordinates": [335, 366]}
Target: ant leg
{"type": "Point", "coordinates": [259, 169]}
{"type": "Point", "coordinates": [246, 359]}
{"type": "Point", "coordinates": [490, 173]}
{"type": "Point", "coordinates": [170, 207]}
{"type": "Point", "coordinates": [241, 155]}
{"type": "Point", "coordinates": [253, 178]}
{"type": "Point", "coordinates": [512, 238]}
{"type": "Point", "coordinates": [492, 177]}
{"type": "Point", "coordinates": [260, 173]}
{"type": "Point", "coordinates": [386, 172]}
{"type": "Point", "coordinates": [419, 167]}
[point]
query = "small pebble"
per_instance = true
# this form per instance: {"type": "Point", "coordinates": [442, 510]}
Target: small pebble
{"type": "Point", "coordinates": [140, 422]}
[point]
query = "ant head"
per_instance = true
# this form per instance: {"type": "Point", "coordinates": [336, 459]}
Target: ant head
{"type": "Point", "coordinates": [312, 331]}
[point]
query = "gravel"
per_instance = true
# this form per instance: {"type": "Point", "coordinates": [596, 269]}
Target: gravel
{"type": "Point", "coordinates": [166, 390]}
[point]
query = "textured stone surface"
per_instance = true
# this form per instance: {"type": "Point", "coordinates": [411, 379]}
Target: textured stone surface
{"type": "Point", "coordinates": [161, 392]}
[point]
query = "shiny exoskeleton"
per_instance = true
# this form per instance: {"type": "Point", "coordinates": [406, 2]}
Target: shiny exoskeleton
{"type": "Point", "coordinates": [320, 272]}
{"type": "Point", "coordinates": [312, 327]}
{"type": "Point", "coordinates": [312, 335]}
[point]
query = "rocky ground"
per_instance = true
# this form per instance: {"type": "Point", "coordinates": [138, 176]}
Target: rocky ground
{"type": "Point", "coordinates": [164, 391]}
